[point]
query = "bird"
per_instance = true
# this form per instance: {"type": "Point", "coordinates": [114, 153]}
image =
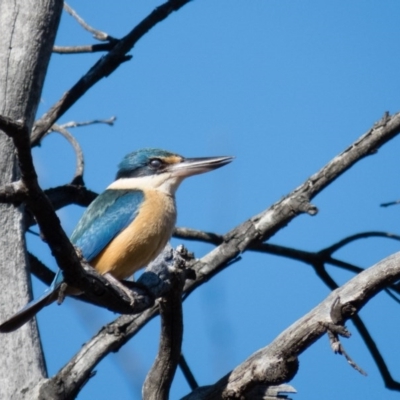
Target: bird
{"type": "Point", "coordinates": [128, 224]}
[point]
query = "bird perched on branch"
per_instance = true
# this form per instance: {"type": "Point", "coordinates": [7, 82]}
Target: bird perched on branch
{"type": "Point", "coordinates": [130, 223]}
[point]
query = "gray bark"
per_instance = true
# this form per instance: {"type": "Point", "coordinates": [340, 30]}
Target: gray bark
{"type": "Point", "coordinates": [27, 33]}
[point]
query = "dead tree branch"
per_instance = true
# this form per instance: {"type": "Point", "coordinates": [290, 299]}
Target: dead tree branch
{"type": "Point", "coordinates": [241, 239]}
{"type": "Point", "coordinates": [160, 280]}
{"type": "Point", "coordinates": [104, 67]}
{"type": "Point", "coordinates": [78, 274]}
{"type": "Point", "coordinates": [99, 35]}
{"type": "Point", "coordinates": [80, 163]}
{"type": "Point", "coordinates": [264, 225]}
{"type": "Point", "coordinates": [89, 48]}
{"type": "Point", "coordinates": [159, 379]}
{"type": "Point", "coordinates": [73, 124]}
{"type": "Point", "coordinates": [277, 362]}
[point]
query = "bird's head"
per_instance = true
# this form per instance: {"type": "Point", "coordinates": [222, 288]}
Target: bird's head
{"type": "Point", "coordinates": [160, 169]}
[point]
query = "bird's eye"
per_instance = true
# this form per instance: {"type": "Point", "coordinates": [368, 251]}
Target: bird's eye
{"type": "Point", "coordinates": [155, 163]}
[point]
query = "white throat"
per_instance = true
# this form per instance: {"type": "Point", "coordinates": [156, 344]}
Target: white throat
{"type": "Point", "coordinates": [163, 182]}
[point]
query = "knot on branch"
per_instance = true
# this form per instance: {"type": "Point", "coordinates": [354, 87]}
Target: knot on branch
{"type": "Point", "coordinates": [302, 204]}
{"type": "Point", "coordinates": [262, 371]}
{"type": "Point", "coordinates": [340, 312]}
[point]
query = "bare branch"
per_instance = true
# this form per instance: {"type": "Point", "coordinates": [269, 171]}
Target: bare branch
{"type": "Point", "coordinates": [390, 203]}
{"type": "Point", "coordinates": [104, 67]}
{"type": "Point", "coordinates": [362, 329]}
{"type": "Point", "coordinates": [363, 235]}
{"type": "Point", "coordinates": [78, 176]}
{"type": "Point", "coordinates": [187, 373]}
{"type": "Point", "coordinates": [73, 124]}
{"type": "Point", "coordinates": [263, 226]}
{"type": "Point", "coordinates": [65, 195]}
{"type": "Point", "coordinates": [338, 348]}
{"type": "Point", "coordinates": [158, 279]}
{"type": "Point", "coordinates": [159, 379]}
{"type": "Point", "coordinates": [99, 35]}
{"type": "Point", "coordinates": [261, 367]}
{"type": "Point", "coordinates": [89, 48]}
{"type": "Point", "coordinates": [76, 273]}
{"type": "Point", "coordinates": [45, 274]}
{"type": "Point", "coordinates": [60, 197]}
{"type": "Point", "coordinates": [242, 238]}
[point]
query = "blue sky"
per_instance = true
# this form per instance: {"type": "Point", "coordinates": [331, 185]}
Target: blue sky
{"type": "Point", "coordinates": [283, 86]}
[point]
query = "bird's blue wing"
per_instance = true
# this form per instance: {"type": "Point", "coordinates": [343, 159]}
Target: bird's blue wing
{"type": "Point", "coordinates": [107, 215]}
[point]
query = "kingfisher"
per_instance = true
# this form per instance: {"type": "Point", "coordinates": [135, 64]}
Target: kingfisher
{"type": "Point", "coordinates": [129, 224]}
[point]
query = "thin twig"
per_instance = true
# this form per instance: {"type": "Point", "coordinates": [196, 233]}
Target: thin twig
{"type": "Point", "coordinates": [73, 124]}
{"type": "Point", "coordinates": [390, 203]}
{"type": "Point", "coordinates": [187, 373]}
{"type": "Point", "coordinates": [363, 235]}
{"type": "Point", "coordinates": [97, 34]}
{"type": "Point", "coordinates": [80, 163]}
{"type": "Point", "coordinates": [41, 271]}
{"type": "Point", "coordinates": [338, 348]}
{"type": "Point", "coordinates": [307, 257]}
{"type": "Point", "coordinates": [367, 338]}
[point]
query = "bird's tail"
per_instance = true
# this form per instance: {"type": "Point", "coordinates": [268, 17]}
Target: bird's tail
{"type": "Point", "coordinates": [29, 311]}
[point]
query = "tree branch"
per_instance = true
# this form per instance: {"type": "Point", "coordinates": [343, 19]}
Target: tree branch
{"type": "Point", "coordinates": [159, 379]}
{"type": "Point", "coordinates": [65, 195]}
{"type": "Point", "coordinates": [89, 48]}
{"type": "Point", "coordinates": [277, 362]}
{"type": "Point", "coordinates": [99, 35]}
{"type": "Point", "coordinates": [242, 238]}
{"type": "Point", "coordinates": [76, 273]}
{"type": "Point", "coordinates": [73, 124]}
{"type": "Point", "coordinates": [160, 280]}
{"type": "Point", "coordinates": [266, 224]}
{"type": "Point", "coordinates": [78, 176]}
{"type": "Point", "coordinates": [104, 67]}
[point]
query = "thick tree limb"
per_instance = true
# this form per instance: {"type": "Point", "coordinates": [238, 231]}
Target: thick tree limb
{"type": "Point", "coordinates": [246, 235]}
{"type": "Point", "coordinates": [266, 224]}
{"type": "Point", "coordinates": [265, 365]}
{"type": "Point", "coordinates": [159, 379]}
{"type": "Point", "coordinates": [104, 67]}
{"type": "Point", "coordinates": [158, 279]}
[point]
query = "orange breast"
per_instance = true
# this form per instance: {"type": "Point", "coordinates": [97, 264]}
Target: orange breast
{"type": "Point", "coordinates": [140, 243]}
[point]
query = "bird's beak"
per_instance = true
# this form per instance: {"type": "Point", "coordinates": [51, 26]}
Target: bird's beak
{"type": "Point", "coordinates": [194, 166]}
